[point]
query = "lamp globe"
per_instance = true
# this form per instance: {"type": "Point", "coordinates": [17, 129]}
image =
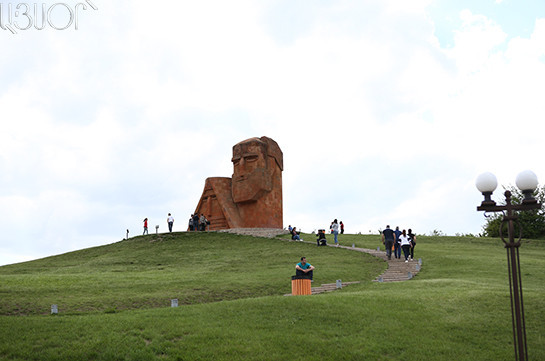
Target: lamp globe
{"type": "Point", "coordinates": [486, 182]}
{"type": "Point", "coordinates": [527, 181]}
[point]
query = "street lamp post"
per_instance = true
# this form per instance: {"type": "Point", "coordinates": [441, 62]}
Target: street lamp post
{"type": "Point", "coordinates": [527, 182]}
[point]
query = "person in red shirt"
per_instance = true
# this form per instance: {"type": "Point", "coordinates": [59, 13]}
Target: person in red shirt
{"type": "Point", "coordinates": [145, 226]}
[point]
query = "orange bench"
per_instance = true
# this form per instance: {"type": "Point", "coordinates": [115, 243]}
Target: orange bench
{"type": "Point", "coordinates": [300, 286]}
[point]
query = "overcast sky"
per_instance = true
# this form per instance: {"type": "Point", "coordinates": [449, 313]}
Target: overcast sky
{"type": "Point", "coordinates": [386, 111]}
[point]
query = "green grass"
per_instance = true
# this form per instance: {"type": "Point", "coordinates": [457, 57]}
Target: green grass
{"type": "Point", "coordinates": [149, 271]}
{"type": "Point", "coordinates": [114, 302]}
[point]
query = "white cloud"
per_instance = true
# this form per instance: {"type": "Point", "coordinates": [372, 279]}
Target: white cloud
{"type": "Point", "coordinates": [125, 118]}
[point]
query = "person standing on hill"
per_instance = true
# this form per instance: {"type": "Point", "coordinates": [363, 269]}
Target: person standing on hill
{"type": "Point", "coordinates": [190, 223]}
{"type": "Point", "coordinates": [202, 222]}
{"type": "Point", "coordinates": [412, 239]}
{"type": "Point", "coordinates": [335, 230]}
{"type": "Point", "coordinates": [196, 222]}
{"type": "Point", "coordinates": [342, 227]}
{"type": "Point", "coordinates": [388, 239]}
{"type": "Point", "coordinates": [397, 246]}
{"type": "Point", "coordinates": [405, 245]}
{"type": "Point", "coordinates": [170, 221]}
{"type": "Point", "coordinates": [145, 226]}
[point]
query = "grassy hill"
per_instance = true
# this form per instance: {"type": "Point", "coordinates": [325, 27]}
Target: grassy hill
{"type": "Point", "coordinates": [114, 302]}
{"type": "Point", "coordinates": [148, 271]}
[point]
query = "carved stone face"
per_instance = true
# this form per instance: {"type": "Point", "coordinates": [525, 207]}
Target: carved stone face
{"type": "Point", "coordinates": [252, 175]}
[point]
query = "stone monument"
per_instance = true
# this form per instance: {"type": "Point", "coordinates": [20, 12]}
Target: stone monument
{"type": "Point", "coordinates": [252, 198]}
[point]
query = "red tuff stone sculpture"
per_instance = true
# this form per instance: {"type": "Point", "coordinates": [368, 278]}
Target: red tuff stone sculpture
{"type": "Point", "coordinates": [252, 198]}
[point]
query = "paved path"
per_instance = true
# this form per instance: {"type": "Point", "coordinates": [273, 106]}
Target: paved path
{"type": "Point", "coordinates": [398, 270]}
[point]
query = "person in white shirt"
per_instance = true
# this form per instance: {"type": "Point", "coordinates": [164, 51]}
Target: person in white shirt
{"type": "Point", "coordinates": [335, 229]}
{"type": "Point", "coordinates": [170, 221]}
{"type": "Point", "coordinates": [405, 244]}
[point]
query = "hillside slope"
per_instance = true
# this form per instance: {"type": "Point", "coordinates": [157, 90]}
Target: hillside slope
{"type": "Point", "coordinates": [456, 308]}
{"type": "Point", "coordinates": [149, 271]}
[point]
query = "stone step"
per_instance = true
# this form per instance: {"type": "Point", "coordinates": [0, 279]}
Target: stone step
{"type": "Point", "coordinates": [257, 232]}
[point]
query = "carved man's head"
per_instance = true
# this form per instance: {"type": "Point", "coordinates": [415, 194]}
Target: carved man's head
{"type": "Point", "coordinates": [255, 161]}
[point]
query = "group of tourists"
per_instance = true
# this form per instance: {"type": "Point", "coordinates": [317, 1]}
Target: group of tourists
{"type": "Point", "coordinates": [197, 223]}
{"type": "Point", "coordinates": [335, 228]}
{"type": "Point", "coordinates": [395, 241]}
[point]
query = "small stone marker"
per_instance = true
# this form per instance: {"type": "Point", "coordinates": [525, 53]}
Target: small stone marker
{"type": "Point", "coordinates": [353, 245]}
{"type": "Point", "coordinates": [420, 261]}
{"type": "Point", "coordinates": [339, 284]}
{"type": "Point", "coordinates": [417, 267]}
{"type": "Point", "coordinates": [174, 302]}
{"type": "Point", "coordinates": [378, 248]}
{"type": "Point", "coordinates": [54, 309]}
{"type": "Point", "coordinates": [380, 279]}
{"type": "Point", "coordinates": [410, 275]}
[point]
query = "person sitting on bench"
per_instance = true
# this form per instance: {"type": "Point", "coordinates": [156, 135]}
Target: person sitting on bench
{"type": "Point", "coordinates": [304, 269]}
{"type": "Point", "coordinates": [321, 240]}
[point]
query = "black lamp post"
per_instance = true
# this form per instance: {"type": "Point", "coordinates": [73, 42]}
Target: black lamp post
{"type": "Point", "coordinates": [527, 183]}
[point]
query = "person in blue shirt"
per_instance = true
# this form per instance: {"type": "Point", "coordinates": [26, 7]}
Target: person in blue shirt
{"type": "Point", "coordinates": [304, 268]}
{"type": "Point", "coordinates": [397, 246]}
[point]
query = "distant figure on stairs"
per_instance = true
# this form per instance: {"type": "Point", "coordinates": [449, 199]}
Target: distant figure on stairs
{"type": "Point", "coordinates": [405, 245]}
{"type": "Point", "coordinates": [388, 239]}
{"type": "Point", "coordinates": [412, 239]}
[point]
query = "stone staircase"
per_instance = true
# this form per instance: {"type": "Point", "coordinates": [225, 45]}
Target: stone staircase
{"type": "Point", "coordinates": [257, 232]}
{"type": "Point", "coordinates": [398, 270]}
{"type": "Point", "coordinates": [328, 287]}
